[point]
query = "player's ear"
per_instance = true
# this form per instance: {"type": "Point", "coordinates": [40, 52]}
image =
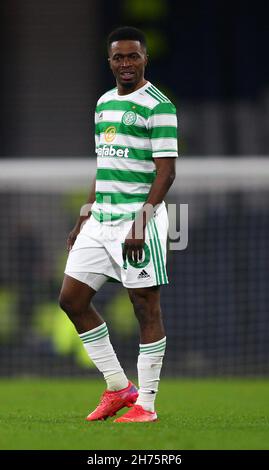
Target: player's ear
{"type": "Point", "coordinates": [146, 59]}
{"type": "Point", "coordinates": [109, 62]}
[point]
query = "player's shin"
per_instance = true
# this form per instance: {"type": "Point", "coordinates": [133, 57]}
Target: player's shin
{"type": "Point", "coordinates": [97, 344]}
{"type": "Point", "coordinates": [149, 368]}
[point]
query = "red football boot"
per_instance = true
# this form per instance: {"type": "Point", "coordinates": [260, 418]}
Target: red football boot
{"type": "Point", "coordinates": [137, 414]}
{"type": "Point", "coordinates": [111, 402]}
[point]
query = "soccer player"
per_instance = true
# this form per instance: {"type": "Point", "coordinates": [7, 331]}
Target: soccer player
{"type": "Point", "coordinates": [125, 233]}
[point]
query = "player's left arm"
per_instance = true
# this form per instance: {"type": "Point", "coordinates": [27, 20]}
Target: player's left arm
{"type": "Point", "coordinates": [162, 128]}
{"type": "Point", "coordinates": [165, 175]}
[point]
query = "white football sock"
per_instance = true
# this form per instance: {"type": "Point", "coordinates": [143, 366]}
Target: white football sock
{"type": "Point", "coordinates": [149, 366]}
{"type": "Point", "coordinates": [102, 354]}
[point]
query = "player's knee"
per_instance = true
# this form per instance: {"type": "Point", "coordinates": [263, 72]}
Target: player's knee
{"type": "Point", "coordinates": [68, 305]}
{"type": "Point", "coordinates": [145, 309]}
{"type": "Point", "coordinates": [64, 302]}
{"type": "Point", "coordinates": [139, 301]}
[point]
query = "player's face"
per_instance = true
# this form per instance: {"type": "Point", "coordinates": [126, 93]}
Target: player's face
{"type": "Point", "coordinates": [128, 60]}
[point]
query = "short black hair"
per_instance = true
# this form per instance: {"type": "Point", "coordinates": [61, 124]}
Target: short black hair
{"type": "Point", "coordinates": [126, 33]}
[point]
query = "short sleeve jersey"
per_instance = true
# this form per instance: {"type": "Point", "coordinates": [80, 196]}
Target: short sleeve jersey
{"type": "Point", "coordinates": [130, 132]}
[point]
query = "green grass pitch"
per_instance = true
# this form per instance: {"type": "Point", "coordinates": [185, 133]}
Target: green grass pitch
{"type": "Point", "coordinates": [193, 414]}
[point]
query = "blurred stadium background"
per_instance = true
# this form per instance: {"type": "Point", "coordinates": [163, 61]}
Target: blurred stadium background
{"type": "Point", "coordinates": [212, 63]}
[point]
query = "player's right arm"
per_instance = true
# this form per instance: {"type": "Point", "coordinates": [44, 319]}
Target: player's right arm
{"type": "Point", "coordinates": [75, 231]}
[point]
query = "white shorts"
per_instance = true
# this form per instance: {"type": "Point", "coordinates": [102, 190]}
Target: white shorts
{"type": "Point", "coordinates": [96, 254]}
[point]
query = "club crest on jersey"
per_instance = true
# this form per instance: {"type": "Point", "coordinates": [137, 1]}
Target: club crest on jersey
{"type": "Point", "coordinates": [110, 134]}
{"type": "Point", "coordinates": [129, 118]}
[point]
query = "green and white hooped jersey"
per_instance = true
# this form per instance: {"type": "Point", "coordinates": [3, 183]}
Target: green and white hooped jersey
{"type": "Point", "coordinates": [130, 132]}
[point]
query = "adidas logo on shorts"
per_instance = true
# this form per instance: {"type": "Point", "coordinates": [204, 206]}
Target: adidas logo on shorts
{"type": "Point", "coordinates": [143, 275]}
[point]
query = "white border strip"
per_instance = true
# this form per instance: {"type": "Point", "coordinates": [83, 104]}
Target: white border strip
{"type": "Point", "coordinates": [193, 174]}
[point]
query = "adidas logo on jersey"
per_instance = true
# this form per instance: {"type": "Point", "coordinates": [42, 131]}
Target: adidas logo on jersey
{"type": "Point", "coordinates": [110, 151]}
{"type": "Point", "coordinates": [143, 275]}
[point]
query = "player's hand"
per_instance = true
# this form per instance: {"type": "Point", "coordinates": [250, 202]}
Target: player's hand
{"type": "Point", "coordinates": [74, 233]}
{"type": "Point", "coordinates": [134, 244]}
{"type": "Point", "coordinates": [72, 237]}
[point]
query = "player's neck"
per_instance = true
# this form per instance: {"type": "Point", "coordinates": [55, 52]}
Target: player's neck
{"type": "Point", "coordinates": [126, 90]}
